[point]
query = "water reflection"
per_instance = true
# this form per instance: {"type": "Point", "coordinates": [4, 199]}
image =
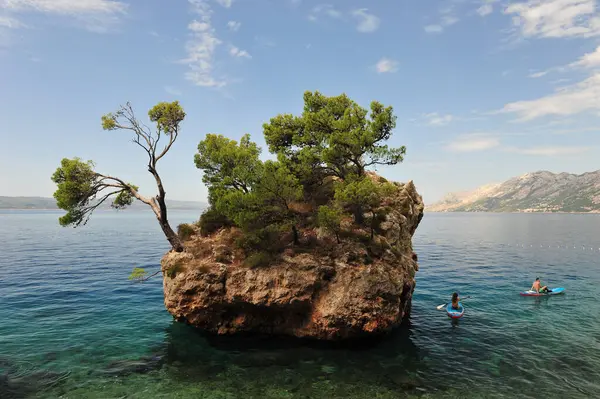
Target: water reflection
{"type": "Point", "coordinates": [393, 363]}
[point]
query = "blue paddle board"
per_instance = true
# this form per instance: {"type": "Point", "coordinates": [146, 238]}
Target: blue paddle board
{"type": "Point", "coordinates": [555, 291]}
{"type": "Point", "coordinates": [455, 313]}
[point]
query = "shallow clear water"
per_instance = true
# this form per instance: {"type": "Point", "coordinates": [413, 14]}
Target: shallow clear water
{"type": "Point", "coordinates": [73, 326]}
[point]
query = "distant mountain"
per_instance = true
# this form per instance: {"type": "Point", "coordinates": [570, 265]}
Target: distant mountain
{"type": "Point", "coordinates": [50, 203]}
{"type": "Point", "coordinates": [541, 191]}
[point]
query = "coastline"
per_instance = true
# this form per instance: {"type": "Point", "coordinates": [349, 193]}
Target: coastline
{"type": "Point", "coordinates": [596, 212]}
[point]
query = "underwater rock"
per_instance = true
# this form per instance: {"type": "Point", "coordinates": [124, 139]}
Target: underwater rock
{"type": "Point", "coordinates": [327, 292]}
{"type": "Point", "coordinates": [142, 365]}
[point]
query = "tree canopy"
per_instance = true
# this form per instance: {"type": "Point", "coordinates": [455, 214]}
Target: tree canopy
{"type": "Point", "coordinates": [331, 144]}
{"type": "Point", "coordinates": [335, 136]}
{"type": "Point", "coordinates": [80, 189]}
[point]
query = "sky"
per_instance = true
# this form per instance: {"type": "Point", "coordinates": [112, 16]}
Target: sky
{"type": "Point", "coordinates": [483, 90]}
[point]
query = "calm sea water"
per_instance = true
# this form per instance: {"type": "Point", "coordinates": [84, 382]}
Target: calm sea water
{"type": "Point", "coordinates": [73, 326]}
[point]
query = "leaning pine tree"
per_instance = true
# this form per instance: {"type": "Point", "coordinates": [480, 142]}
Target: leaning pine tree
{"type": "Point", "coordinates": [81, 189]}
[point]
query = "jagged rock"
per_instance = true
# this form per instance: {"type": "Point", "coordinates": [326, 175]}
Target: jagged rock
{"type": "Point", "coordinates": [341, 291]}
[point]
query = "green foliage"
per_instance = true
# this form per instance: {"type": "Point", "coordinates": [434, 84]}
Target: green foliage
{"type": "Point", "coordinates": [277, 186]}
{"type": "Point", "coordinates": [259, 259]}
{"type": "Point", "coordinates": [76, 187]}
{"type": "Point", "coordinates": [185, 231]}
{"type": "Point", "coordinates": [228, 165]}
{"type": "Point", "coordinates": [109, 121]}
{"type": "Point", "coordinates": [334, 136]}
{"type": "Point", "coordinates": [174, 270]}
{"type": "Point", "coordinates": [322, 158]}
{"type": "Point", "coordinates": [138, 274]}
{"type": "Point", "coordinates": [212, 220]}
{"type": "Point", "coordinates": [75, 180]}
{"type": "Point", "coordinates": [330, 218]}
{"type": "Point", "coordinates": [364, 195]}
{"type": "Point", "coordinates": [358, 195]}
{"type": "Point", "coordinates": [79, 185]}
{"type": "Point", "coordinates": [266, 239]}
{"type": "Point", "coordinates": [124, 198]}
{"type": "Point", "coordinates": [167, 116]}
{"type": "Point", "coordinates": [251, 194]}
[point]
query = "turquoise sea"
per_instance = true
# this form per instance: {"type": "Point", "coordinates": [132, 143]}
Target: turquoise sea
{"type": "Point", "coordinates": [73, 326]}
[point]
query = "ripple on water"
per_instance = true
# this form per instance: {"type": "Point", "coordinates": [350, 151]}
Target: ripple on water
{"type": "Point", "coordinates": [74, 327]}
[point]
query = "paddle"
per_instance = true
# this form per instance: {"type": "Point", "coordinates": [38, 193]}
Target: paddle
{"type": "Point", "coordinates": [446, 304]}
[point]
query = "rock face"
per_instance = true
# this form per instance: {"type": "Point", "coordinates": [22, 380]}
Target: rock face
{"type": "Point", "coordinates": [326, 291]}
{"type": "Point", "coordinates": [532, 192]}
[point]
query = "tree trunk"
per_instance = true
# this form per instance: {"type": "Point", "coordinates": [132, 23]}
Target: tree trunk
{"type": "Point", "coordinates": [160, 210]}
{"type": "Point", "coordinates": [337, 237]}
{"type": "Point", "coordinates": [161, 215]}
{"type": "Point", "coordinates": [296, 239]}
{"type": "Point", "coordinates": [359, 218]}
{"type": "Point", "coordinates": [373, 226]}
{"type": "Point", "coordinates": [172, 237]}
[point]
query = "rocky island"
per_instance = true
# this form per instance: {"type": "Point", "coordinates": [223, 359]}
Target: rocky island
{"type": "Point", "coordinates": [312, 244]}
{"type": "Point", "coordinates": [318, 289]}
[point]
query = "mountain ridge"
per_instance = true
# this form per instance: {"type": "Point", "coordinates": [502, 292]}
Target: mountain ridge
{"type": "Point", "coordinates": [541, 191]}
{"type": "Point", "coordinates": [46, 203]}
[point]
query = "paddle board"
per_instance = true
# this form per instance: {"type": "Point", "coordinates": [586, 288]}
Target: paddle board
{"type": "Point", "coordinates": [555, 291]}
{"type": "Point", "coordinates": [455, 313]}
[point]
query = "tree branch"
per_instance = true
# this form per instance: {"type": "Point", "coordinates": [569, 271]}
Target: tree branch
{"type": "Point", "coordinates": [141, 280]}
{"type": "Point", "coordinates": [172, 137]}
{"type": "Point", "coordinates": [86, 212]}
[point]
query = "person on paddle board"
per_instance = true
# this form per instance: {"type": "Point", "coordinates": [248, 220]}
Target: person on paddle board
{"type": "Point", "coordinates": [537, 286]}
{"type": "Point", "coordinates": [455, 300]}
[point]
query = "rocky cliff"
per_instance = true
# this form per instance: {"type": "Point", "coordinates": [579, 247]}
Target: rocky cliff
{"type": "Point", "coordinates": [532, 192]}
{"type": "Point", "coordinates": [319, 289]}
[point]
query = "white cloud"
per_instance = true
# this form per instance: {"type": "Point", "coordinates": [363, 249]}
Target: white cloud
{"type": "Point", "coordinates": [367, 22]}
{"type": "Point", "coordinates": [485, 10]}
{"type": "Point", "coordinates": [435, 119]}
{"type": "Point", "coordinates": [200, 48]}
{"type": "Point", "coordinates": [555, 18]}
{"type": "Point", "coordinates": [386, 65]}
{"type": "Point", "coordinates": [236, 52]}
{"type": "Point", "coordinates": [234, 25]}
{"type": "Point", "coordinates": [568, 100]}
{"type": "Point", "coordinates": [549, 151]}
{"type": "Point", "coordinates": [173, 91]}
{"type": "Point", "coordinates": [486, 7]}
{"type": "Point", "coordinates": [473, 143]}
{"type": "Point", "coordinates": [538, 74]}
{"type": "Point", "coordinates": [588, 60]}
{"type": "Point", "coordinates": [324, 9]}
{"type": "Point", "coordinates": [434, 28]}
{"type": "Point", "coordinates": [447, 18]}
{"type": "Point", "coordinates": [198, 27]}
{"type": "Point", "coordinates": [67, 7]}
{"type": "Point", "coordinates": [95, 15]}
{"type": "Point", "coordinates": [11, 23]}
{"type": "Point", "coordinates": [225, 3]}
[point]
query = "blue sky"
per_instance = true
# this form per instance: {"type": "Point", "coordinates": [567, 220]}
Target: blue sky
{"type": "Point", "coordinates": [484, 90]}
